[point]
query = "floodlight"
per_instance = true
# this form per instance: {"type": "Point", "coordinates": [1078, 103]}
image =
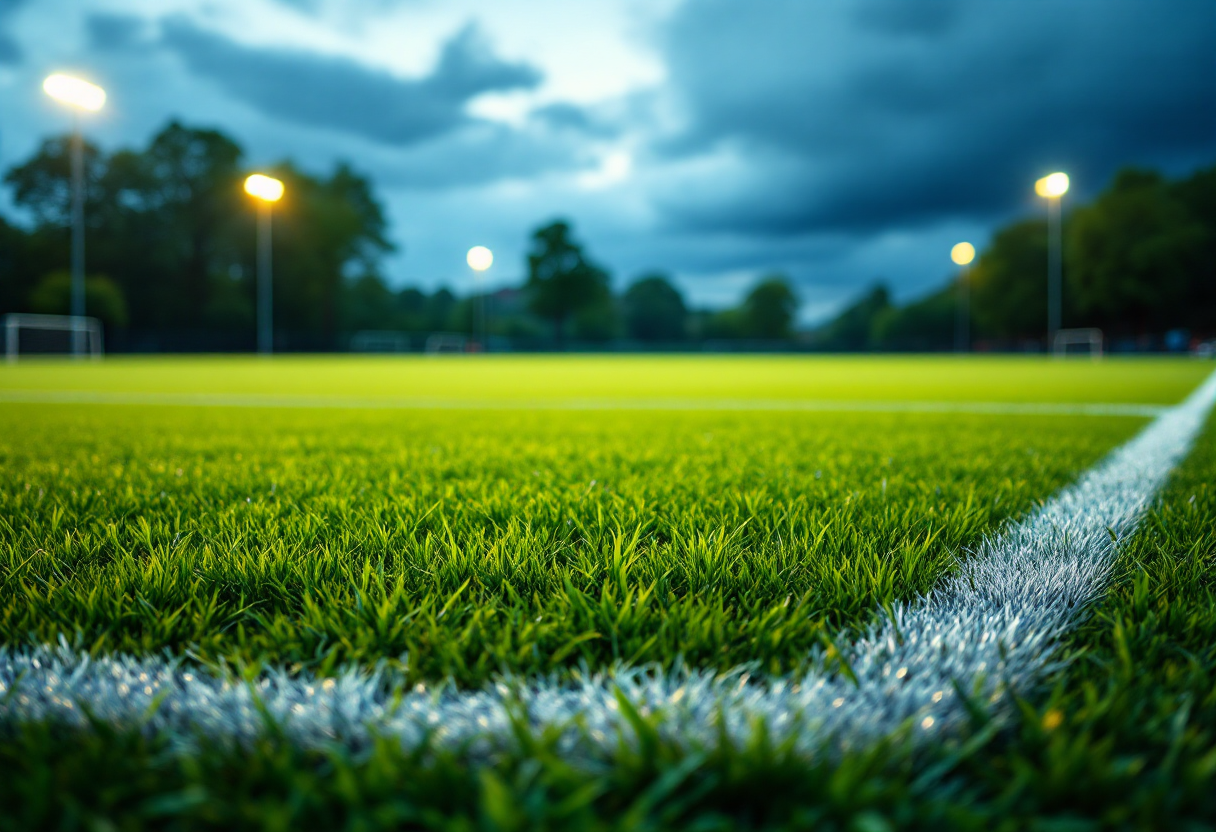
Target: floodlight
{"type": "Point", "coordinates": [264, 187]}
{"type": "Point", "coordinates": [963, 253]}
{"type": "Point", "coordinates": [74, 92]}
{"type": "Point", "coordinates": [1052, 185]}
{"type": "Point", "coordinates": [479, 258]}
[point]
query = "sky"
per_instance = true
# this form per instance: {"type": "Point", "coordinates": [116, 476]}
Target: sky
{"type": "Point", "coordinates": [840, 143]}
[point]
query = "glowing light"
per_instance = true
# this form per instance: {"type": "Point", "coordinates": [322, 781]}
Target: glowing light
{"type": "Point", "coordinates": [479, 258]}
{"type": "Point", "coordinates": [74, 92]}
{"type": "Point", "coordinates": [963, 253]}
{"type": "Point", "coordinates": [264, 187]}
{"type": "Point", "coordinates": [1052, 185]}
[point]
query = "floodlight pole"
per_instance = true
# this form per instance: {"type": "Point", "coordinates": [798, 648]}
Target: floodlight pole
{"type": "Point", "coordinates": [962, 323]}
{"type": "Point", "coordinates": [77, 152]}
{"type": "Point", "coordinates": [265, 310]}
{"type": "Point", "coordinates": [480, 324]}
{"type": "Point", "coordinates": [1055, 269]}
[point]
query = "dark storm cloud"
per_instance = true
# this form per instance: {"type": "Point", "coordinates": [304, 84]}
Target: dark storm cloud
{"type": "Point", "coordinates": [11, 53]}
{"type": "Point", "coordinates": [340, 94]}
{"type": "Point", "coordinates": [114, 32]}
{"type": "Point", "coordinates": [575, 119]}
{"type": "Point", "coordinates": [893, 114]}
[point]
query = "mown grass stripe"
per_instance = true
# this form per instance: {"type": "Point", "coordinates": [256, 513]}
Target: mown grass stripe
{"type": "Point", "coordinates": [991, 627]}
{"type": "Point", "coordinates": [672, 404]}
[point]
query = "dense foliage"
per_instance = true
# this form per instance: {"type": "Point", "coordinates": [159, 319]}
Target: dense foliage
{"type": "Point", "coordinates": [1139, 260]}
{"type": "Point", "coordinates": [170, 243]}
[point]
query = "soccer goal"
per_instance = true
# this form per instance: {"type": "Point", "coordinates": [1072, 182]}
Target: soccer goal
{"type": "Point", "coordinates": [445, 342]}
{"type": "Point", "coordinates": [26, 334]}
{"type": "Point", "coordinates": [1068, 339]}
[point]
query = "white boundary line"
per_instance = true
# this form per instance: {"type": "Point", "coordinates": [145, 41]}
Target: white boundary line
{"type": "Point", "coordinates": [992, 626]}
{"type": "Point", "coordinates": [426, 403]}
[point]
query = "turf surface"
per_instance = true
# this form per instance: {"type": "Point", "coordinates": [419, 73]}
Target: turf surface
{"type": "Point", "coordinates": [477, 542]}
{"type": "Point", "coordinates": [554, 378]}
{"type": "Point", "coordinates": [480, 543]}
{"type": "Point", "coordinates": [1121, 737]}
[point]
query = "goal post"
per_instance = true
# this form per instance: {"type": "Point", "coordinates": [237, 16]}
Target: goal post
{"type": "Point", "coordinates": [84, 334]}
{"type": "Point", "coordinates": [1090, 337]}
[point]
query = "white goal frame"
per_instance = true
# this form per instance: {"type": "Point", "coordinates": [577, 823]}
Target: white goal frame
{"type": "Point", "coordinates": [1086, 335]}
{"type": "Point", "coordinates": [84, 331]}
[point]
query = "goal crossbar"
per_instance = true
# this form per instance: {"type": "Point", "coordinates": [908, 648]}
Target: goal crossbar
{"type": "Point", "coordinates": [1089, 336]}
{"type": "Point", "coordinates": [82, 327]}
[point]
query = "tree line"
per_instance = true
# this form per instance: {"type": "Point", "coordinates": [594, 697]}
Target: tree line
{"type": "Point", "coordinates": [1139, 261]}
{"type": "Point", "coordinates": [170, 241]}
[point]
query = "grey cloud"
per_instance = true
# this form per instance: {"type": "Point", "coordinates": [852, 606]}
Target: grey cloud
{"type": "Point", "coordinates": [842, 121]}
{"type": "Point", "coordinates": [11, 52]}
{"type": "Point", "coordinates": [900, 17]}
{"type": "Point", "coordinates": [480, 154]}
{"type": "Point", "coordinates": [575, 119]}
{"type": "Point", "coordinates": [340, 94]}
{"type": "Point", "coordinates": [114, 32]}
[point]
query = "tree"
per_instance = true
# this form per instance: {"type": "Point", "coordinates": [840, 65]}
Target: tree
{"type": "Point", "coordinates": [924, 325]}
{"type": "Point", "coordinates": [328, 234]}
{"type": "Point", "coordinates": [1133, 254]}
{"type": "Point", "coordinates": [171, 225]}
{"type": "Point", "coordinates": [769, 309]}
{"type": "Point", "coordinates": [561, 280]}
{"type": "Point", "coordinates": [187, 187]}
{"type": "Point", "coordinates": [853, 329]}
{"type": "Point", "coordinates": [43, 184]}
{"type": "Point", "coordinates": [1009, 284]}
{"type": "Point", "coordinates": [654, 310]}
{"type": "Point", "coordinates": [52, 295]}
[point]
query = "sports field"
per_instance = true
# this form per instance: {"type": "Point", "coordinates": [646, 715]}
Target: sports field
{"type": "Point", "coordinates": [597, 592]}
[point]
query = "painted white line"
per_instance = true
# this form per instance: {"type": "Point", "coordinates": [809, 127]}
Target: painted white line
{"type": "Point", "coordinates": [990, 627]}
{"type": "Point", "coordinates": [674, 404]}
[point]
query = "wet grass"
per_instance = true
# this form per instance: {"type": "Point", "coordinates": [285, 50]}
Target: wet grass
{"type": "Point", "coordinates": [465, 544]}
{"type": "Point", "coordinates": [1121, 737]}
{"type": "Point", "coordinates": [462, 544]}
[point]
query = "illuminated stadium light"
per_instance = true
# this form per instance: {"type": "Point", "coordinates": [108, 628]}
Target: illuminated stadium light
{"type": "Point", "coordinates": [479, 258]}
{"type": "Point", "coordinates": [264, 187]}
{"type": "Point", "coordinates": [74, 92]}
{"type": "Point", "coordinates": [962, 253]}
{"type": "Point", "coordinates": [1053, 185]}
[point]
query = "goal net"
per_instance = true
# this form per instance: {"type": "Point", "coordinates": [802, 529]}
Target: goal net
{"type": "Point", "coordinates": [26, 334]}
{"type": "Point", "coordinates": [1074, 341]}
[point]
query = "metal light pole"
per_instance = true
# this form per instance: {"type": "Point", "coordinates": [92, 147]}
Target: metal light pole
{"type": "Point", "coordinates": [479, 259]}
{"type": "Point", "coordinates": [1052, 188]}
{"type": "Point", "coordinates": [962, 254]}
{"type": "Point", "coordinates": [268, 191]}
{"type": "Point", "coordinates": [79, 95]}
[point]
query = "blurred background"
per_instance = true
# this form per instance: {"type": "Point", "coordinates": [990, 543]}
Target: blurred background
{"type": "Point", "coordinates": [662, 175]}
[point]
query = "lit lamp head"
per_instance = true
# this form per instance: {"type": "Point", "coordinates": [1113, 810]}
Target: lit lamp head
{"type": "Point", "coordinates": [1052, 186]}
{"type": "Point", "coordinates": [74, 92]}
{"type": "Point", "coordinates": [479, 258]}
{"type": "Point", "coordinates": [962, 254]}
{"type": "Point", "coordinates": [265, 188]}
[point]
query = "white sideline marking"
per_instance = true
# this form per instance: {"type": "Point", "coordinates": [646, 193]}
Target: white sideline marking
{"type": "Point", "coordinates": [990, 627]}
{"type": "Point", "coordinates": [425, 403]}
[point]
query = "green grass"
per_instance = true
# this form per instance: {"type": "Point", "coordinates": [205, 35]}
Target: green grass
{"type": "Point", "coordinates": [479, 543]}
{"type": "Point", "coordinates": [1122, 737]}
{"type": "Point", "coordinates": [541, 378]}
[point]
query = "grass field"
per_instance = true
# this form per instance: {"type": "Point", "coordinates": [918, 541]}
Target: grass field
{"type": "Point", "coordinates": [478, 525]}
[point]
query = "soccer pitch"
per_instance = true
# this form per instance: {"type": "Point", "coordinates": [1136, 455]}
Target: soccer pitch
{"type": "Point", "coordinates": [525, 592]}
